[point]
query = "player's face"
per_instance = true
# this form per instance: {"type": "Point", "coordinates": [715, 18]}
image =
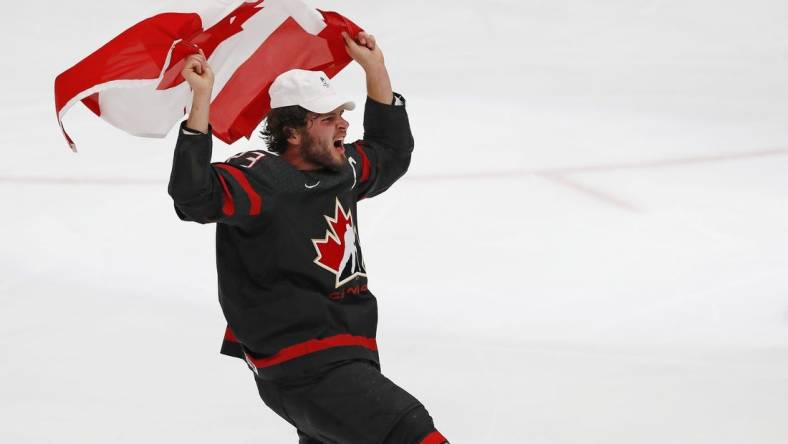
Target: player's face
{"type": "Point", "coordinates": [323, 139]}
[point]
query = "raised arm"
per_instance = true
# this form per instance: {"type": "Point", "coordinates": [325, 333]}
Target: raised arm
{"type": "Point", "coordinates": [205, 192]}
{"type": "Point", "coordinates": [200, 77]}
{"type": "Point", "coordinates": [384, 153]}
{"type": "Point", "coordinates": [365, 51]}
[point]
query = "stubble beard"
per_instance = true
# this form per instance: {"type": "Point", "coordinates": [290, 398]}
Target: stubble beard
{"type": "Point", "coordinates": [313, 152]}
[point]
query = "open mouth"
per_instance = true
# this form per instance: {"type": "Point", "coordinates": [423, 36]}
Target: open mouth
{"type": "Point", "coordinates": [338, 145]}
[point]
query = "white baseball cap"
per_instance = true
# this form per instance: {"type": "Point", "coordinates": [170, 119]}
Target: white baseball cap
{"type": "Point", "coordinates": [309, 89]}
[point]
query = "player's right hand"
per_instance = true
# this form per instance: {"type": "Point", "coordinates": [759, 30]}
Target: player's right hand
{"type": "Point", "coordinates": [198, 74]}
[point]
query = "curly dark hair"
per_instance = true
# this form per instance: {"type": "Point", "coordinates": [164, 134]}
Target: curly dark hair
{"type": "Point", "coordinates": [280, 124]}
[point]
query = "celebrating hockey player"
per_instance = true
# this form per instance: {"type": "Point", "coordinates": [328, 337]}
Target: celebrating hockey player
{"type": "Point", "coordinates": [291, 273]}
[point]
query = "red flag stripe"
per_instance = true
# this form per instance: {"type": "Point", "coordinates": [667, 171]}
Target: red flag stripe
{"type": "Point", "coordinates": [241, 105]}
{"type": "Point", "coordinates": [143, 59]}
{"type": "Point", "coordinates": [207, 40]}
{"type": "Point", "coordinates": [255, 201]}
{"type": "Point", "coordinates": [313, 346]}
{"type": "Point", "coordinates": [142, 53]}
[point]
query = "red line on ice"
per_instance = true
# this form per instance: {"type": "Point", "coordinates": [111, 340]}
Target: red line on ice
{"type": "Point", "coordinates": [481, 175]}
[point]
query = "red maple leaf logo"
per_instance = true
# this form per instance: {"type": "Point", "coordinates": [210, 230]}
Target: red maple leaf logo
{"type": "Point", "coordinates": [207, 40]}
{"type": "Point", "coordinates": [338, 251]}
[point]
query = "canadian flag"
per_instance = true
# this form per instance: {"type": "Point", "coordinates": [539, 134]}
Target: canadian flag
{"type": "Point", "coordinates": [134, 81]}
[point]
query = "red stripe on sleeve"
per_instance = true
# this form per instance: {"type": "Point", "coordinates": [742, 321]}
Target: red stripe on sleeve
{"type": "Point", "coordinates": [434, 438]}
{"type": "Point", "coordinates": [228, 204]}
{"type": "Point", "coordinates": [364, 163]}
{"type": "Point", "coordinates": [255, 201]}
{"type": "Point", "coordinates": [229, 335]}
{"type": "Point", "coordinates": [312, 346]}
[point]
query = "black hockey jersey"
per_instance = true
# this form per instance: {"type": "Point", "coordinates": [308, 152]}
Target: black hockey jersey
{"type": "Point", "coordinates": [291, 273]}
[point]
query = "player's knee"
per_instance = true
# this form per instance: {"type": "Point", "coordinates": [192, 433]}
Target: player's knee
{"type": "Point", "coordinates": [416, 427]}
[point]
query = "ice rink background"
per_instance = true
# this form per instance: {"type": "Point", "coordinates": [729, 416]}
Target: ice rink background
{"type": "Point", "coordinates": [590, 245]}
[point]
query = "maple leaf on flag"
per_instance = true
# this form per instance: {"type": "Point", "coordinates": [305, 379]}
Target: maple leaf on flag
{"type": "Point", "coordinates": [134, 81]}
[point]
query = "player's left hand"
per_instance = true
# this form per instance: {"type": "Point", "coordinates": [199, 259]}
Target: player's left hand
{"type": "Point", "coordinates": [363, 49]}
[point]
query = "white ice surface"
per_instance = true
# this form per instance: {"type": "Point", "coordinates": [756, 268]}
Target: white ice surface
{"type": "Point", "coordinates": [590, 246]}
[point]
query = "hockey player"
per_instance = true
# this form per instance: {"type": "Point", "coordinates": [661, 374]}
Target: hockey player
{"type": "Point", "coordinates": [291, 274]}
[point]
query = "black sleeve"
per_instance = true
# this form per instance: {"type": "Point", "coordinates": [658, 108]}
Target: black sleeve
{"type": "Point", "coordinates": [383, 156]}
{"type": "Point", "coordinates": [204, 192]}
